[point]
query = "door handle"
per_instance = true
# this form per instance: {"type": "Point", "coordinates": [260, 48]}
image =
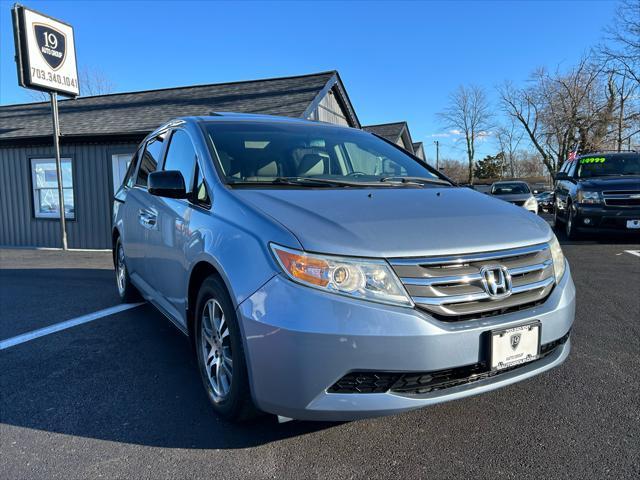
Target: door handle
{"type": "Point", "coordinates": [147, 219]}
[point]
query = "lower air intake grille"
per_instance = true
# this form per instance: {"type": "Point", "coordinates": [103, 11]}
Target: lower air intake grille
{"type": "Point", "coordinates": [425, 382]}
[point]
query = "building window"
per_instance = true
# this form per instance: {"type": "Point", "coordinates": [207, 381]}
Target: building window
{"type": "Point", "coordinates": [45, 188]}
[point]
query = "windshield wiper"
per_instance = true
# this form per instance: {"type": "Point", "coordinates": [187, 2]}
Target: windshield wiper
{"type": "Point", "coordinates": [312, 181]}
{"type": "Point", "coordinates": [414, 180]}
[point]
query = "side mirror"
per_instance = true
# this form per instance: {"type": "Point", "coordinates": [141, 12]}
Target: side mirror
{"type": "Point", "coordinates": [561, 176]}
{"type": "Point", "coordinates": [167, 183]}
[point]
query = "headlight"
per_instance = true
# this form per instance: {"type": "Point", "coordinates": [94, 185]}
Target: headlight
{"type": "Point", "coordinates": [531, 202]}
{"type": "Point", "coordinates": [366, 279]}
{"type": "Point", "coordinates": [589, 197]}
{"type": "Point", "coordinates": [558, 258]}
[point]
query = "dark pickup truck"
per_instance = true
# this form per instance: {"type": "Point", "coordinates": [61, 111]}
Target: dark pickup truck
{"type": "Point", "coordinates": [598, 192]}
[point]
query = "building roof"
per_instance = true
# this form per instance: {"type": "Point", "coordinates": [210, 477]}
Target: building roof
{"type": "Point", "coordinates": [417, 146]}
{"type": "Point", "coordinates": [137, 113]}
{"type": "Point", "coordinates": [393, 132]}
{"type": "Point", "coordinates": [390, 131]}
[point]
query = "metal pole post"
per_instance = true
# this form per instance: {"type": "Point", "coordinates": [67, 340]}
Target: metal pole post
{"type": "Point", "coordinates": [437, 155]}
{"type": "Point", "coordinates": [56, 146]}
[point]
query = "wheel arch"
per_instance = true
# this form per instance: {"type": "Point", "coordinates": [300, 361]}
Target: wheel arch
{"type": "Point", "coordinates": [200, 271]}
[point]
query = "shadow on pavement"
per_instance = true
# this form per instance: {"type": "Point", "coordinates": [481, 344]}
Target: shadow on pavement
{"type": "Point", "coordinates": [127, 378]}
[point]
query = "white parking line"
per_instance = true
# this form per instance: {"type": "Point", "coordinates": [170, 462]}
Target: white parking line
{"type": "Point", "coordinates": [41, 332]}
{"type": "Point", "coordinates": [633, 252]}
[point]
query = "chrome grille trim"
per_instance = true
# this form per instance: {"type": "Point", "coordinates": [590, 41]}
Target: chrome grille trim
{"type": "Point", "coordinates": [621, 198]}
{"type": "Point", "coordinates": [462, 279]}
{"type": "Point", "coordinates": [435, 287]}
{"type": "Point", "coordinates": [474, 297]}
{"type": "Point", "coordinates": [471, 257]}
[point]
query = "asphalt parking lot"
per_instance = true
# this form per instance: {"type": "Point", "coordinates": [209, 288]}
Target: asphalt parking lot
{"type": "Point", "coordinates": [120, 397]}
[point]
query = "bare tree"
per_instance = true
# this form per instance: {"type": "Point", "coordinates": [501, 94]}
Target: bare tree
{"type": "Point", "coordinates": [453, 169]}
{"type": "Point", "coordinates": [509, 137]}
{"type": "Point", "coordinates": [622, 46]}
{"type": "Point", "coordinates": [93, 81]}
{"type": "Point", "coordinates": [468, 112]}
{"type": "Point", "coordinates": [563, 111]}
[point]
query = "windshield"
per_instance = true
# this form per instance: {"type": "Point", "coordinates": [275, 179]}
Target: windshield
{"type": "Point", "coordinates": [607, 165]}
{"type": "Point", "coordinates": [510, 189]}
{"type": "Point", "coordinates": [260, 153]}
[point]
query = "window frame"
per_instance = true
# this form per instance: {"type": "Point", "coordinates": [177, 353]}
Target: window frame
{"type": "Point", "coordinates": [192, 197]}
{"type": "Point", "coordinates": [34, 189]}
{"type": "Point", "coordinates": [172, 133]}
{"type": "Point", "coordinates": [160, 159]}
{"type": "Point", "coordinates": [132, 171]}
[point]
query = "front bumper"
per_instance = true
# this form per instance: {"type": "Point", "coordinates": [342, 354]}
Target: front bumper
{"type": "Point", "coordinates": [604, 218]}
{"type": "Point", "coordinates": [299, 341]}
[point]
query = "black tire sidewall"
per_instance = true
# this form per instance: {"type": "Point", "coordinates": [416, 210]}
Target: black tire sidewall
{"type": "Point", "coordinates": [130, 293]}
{"type": "Point", "coordinates": [571, 222]}
{"type": "Point", "coordinates": [233, 405]}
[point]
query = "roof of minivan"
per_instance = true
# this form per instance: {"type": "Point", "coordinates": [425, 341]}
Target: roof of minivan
{"type": "Point", "coordinates": [138, 113]}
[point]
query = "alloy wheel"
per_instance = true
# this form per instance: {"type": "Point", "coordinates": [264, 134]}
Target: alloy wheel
{"type": "Point", "coordinates": [217, 357]}
{"type": "Point", "coordinates": [121, 271]}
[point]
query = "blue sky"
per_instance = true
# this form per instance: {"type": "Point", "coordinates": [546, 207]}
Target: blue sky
{"type": "Point", "coordinates": [399, 60]}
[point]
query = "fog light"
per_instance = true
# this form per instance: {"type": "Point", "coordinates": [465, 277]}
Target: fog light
{"type": "Point", "coordinates": [587, 221]}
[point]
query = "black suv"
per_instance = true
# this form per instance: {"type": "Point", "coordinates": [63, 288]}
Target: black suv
{"type": "Point", "coordinates": [598, 192]}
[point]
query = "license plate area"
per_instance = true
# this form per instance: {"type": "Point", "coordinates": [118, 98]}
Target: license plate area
{"type": "Point", "coordinates": [515, 345]}
{"type": "Point", "coordinates": [633, 223]}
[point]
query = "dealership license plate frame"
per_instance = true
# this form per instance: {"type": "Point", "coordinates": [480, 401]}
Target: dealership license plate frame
{"type": "Point", "coordinates": [502, 333]}
{"type": "Point", "coordinates": [633, 224]}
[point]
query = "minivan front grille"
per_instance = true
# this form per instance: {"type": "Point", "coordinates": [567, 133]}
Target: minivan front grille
{"type": "Point", "coordinates": [621, 198]}
{"type": "Point", "coordinates": [452, 287]}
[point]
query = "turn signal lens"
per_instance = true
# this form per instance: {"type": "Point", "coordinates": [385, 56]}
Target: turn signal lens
{"type": "Point", "coordinates": [366, 279]}
{"type": "Point", "coordinates": [558, 258]}
{"type": "Point", "coordinates": [303, 267]}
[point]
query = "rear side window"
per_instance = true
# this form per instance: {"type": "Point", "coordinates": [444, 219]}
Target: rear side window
{"type": "Point", "coordinates": [150, 158]}
{"type": "Point", "coordinates": [181, 156]}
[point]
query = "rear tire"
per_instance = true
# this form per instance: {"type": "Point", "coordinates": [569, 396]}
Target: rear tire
{"type": "Point", "coordinates": [128, 293]}
{"type": "Point", "coordinates": [220, 354]}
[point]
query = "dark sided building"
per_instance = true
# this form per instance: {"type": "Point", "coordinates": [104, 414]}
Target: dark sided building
{"type": "Point", "coordinates": [98, 136]}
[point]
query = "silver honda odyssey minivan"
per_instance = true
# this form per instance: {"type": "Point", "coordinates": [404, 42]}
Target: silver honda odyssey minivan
{"type": "Point", "coordinates": [324, 273]}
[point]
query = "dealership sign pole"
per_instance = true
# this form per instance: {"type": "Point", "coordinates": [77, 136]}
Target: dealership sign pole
{"type": "Point", "coordinates": [46, 61]}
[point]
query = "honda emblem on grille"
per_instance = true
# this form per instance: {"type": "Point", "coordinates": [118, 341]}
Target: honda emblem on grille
{"type": "Point", "coordinates": [496, 281]}
{"type": "Point", "coordinates": [515, 340]}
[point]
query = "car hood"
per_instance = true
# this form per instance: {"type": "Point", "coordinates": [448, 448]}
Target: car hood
{"type": "Point", "coordinates": [623, 182]}
{"type": "Point", "coordinates": [514, 197]}
{"type": "Point", "coordinates": [398, 222]}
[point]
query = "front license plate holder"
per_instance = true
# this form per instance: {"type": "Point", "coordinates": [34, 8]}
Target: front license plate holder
{"type": "Point", "coordinates": [633, 223]}
{"type": "Point", "coordinates": [514, 346]}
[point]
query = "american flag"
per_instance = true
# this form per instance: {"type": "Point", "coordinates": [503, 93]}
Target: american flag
{"type": "Point", "coordinates": [572, 155]}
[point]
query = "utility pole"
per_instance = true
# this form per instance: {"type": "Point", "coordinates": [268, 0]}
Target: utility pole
{"type": "Point", "coordinates": [437, 154]}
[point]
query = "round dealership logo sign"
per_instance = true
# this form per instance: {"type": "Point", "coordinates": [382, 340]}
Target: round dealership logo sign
{"type": "Point", "coordinates": [51, 44]}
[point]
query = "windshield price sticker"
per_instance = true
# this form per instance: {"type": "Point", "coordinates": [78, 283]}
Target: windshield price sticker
{"type": "Point", "coordinates": [593, 160]}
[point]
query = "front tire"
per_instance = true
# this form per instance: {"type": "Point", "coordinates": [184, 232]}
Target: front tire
{"type": "Point", "coordinates": [220, 354]}
{"type": "Point", "coordinates": [570, 229]}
